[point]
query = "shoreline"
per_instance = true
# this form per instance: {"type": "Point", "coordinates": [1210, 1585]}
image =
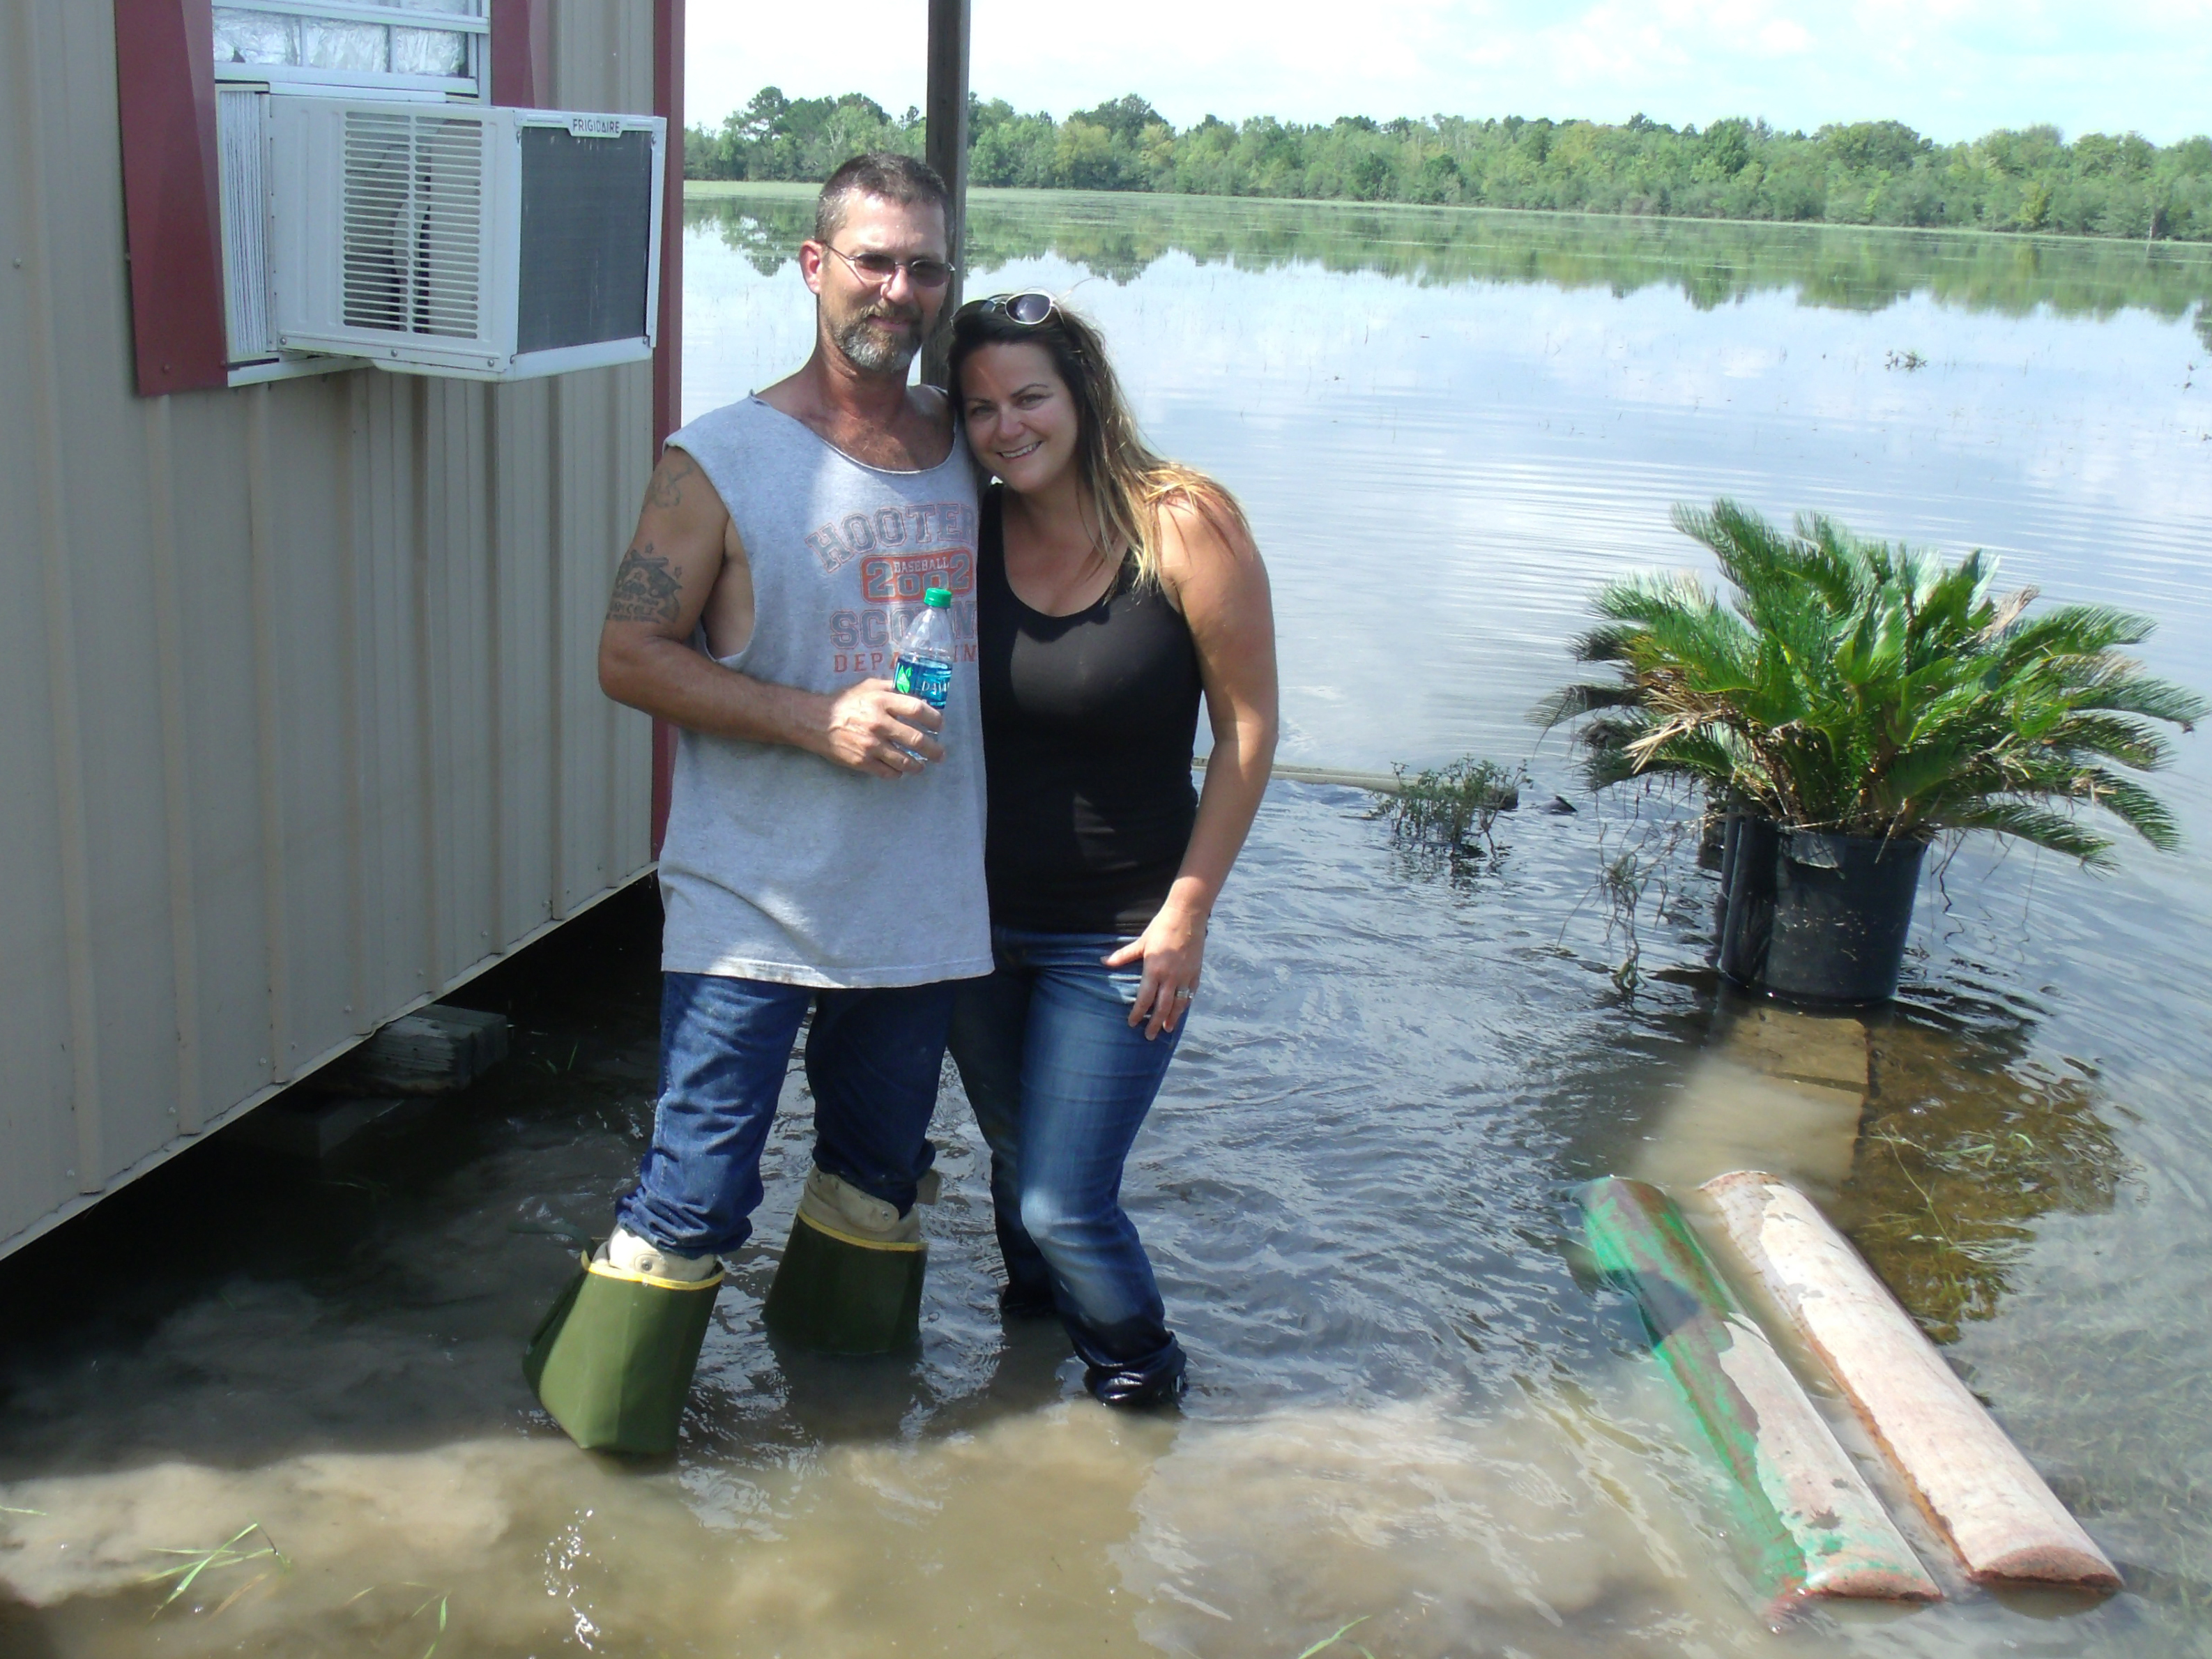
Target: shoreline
{"type": "Point", "coordinates": [710, 189]}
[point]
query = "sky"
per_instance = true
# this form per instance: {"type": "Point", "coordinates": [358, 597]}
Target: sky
{"type": "Point", "coordinates": [1954, 69]}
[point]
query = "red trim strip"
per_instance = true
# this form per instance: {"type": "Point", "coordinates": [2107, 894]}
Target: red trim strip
{"type": "Point", "coordinates": [668, 354]}
{"type": "Point", "coordinates": [668, 101]}
{"type": "Point", "coordinates": [171, 207]}
{"type": "Point", "coordinates": [521, 53]}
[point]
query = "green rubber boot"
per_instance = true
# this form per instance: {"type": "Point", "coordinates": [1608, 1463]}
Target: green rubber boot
{"type": "Point", "coordinates": [850, 1280]}
{"type": "Point", "coordinates": [612, 1361]}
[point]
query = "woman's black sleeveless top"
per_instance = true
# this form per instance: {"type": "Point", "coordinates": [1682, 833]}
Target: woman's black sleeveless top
{"type": "Point", "coordinates": [1088, 723]}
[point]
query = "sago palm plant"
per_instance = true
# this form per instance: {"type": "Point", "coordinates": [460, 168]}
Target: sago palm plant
{"type": "Point", "coordinates": [1856, 687]}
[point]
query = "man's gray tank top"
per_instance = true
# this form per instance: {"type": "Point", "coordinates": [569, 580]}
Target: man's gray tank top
{"type": "Point", "coordinates": [779, 865]}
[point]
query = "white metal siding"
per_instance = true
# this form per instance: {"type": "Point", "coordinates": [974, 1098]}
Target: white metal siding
{"type": "Point", "coordinates": [298, 718]}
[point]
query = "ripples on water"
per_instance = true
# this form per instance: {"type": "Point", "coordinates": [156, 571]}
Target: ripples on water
{"type": "Point", "coordinates": [1408, 1407]}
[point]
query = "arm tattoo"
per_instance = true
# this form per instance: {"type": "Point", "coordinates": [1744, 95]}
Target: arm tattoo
{"type": "Point", "coordinates": [645, 589]}
{"type": "Point", "coordinates": [666, 488]}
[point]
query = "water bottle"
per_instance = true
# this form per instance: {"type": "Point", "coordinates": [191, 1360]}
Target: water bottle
{"type": "Point", "coordinates": [924, 666]}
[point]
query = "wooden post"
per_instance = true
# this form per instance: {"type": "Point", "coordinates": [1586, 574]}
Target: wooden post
{"type": "Point", "coordinates": [668, 349]}
{"type": "Point", "coordinates": [948, 152]}
{"type": "Point", "coordinates": [1971, 1480]}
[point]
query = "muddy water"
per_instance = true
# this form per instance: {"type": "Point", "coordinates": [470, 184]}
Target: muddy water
{"type": "Point", "coordinates": [1410, 1409]}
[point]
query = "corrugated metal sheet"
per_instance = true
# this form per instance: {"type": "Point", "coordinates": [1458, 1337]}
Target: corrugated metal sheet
{"type": "Point", "coordinates": [299, 723]}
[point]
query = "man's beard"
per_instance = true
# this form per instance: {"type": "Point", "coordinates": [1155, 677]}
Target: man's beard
{"type": "Point", "coordinates": [867, 350]}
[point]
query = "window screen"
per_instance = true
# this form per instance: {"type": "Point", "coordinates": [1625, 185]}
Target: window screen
{"type": "Point", "coordinates": [425, 46]}
{"type": "Point", "coordinates": [587, 227]}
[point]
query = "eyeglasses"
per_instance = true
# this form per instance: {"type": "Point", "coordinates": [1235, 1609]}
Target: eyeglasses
{"type": "Point", "coordinates": [1029, 308]}
{"type": "Point", "coordinates": [880, 267]}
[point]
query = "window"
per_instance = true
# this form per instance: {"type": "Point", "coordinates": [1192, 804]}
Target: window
{"type": "Point", "coordinates": [401, 45]}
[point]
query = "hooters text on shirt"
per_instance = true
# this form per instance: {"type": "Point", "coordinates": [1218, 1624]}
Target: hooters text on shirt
{"type": "Point", "coordinates": [896, 555]}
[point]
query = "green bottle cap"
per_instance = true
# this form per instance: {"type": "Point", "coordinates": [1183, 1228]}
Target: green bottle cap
{"type": "Point", "coordinates": [940, 596]}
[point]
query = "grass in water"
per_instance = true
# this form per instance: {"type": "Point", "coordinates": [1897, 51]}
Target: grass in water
{"type": "Point", "coordinates": [438, 1600]}
{"type": "Point", "coordinates": [441, 1600]}
{"type": "Point", "coordinates": [225, 1555]}
{"type": "Point", "coordinates": [1328, 1642]}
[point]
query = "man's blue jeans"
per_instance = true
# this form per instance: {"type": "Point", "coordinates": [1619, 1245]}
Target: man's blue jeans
{"type": "Point", "coordinates": [1060, 1082]}
{"type": "Point", "coordinates": [872, 1060]}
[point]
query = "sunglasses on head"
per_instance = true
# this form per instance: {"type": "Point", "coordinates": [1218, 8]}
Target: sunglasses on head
{"type": "Point", "coordinates": [880, 267]}
{"type": "Point", "coordinates": [1029, 307]}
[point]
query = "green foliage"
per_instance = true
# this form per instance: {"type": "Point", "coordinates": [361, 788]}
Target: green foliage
{"type": "Point", "coordinates": [1855, 686]}
{"type": "Point", "coordinates": [1863, 173]}
{"type": "Point", "coordinates": [1451, 807]}
{"type": "Point", "coordinates": [778, 137]}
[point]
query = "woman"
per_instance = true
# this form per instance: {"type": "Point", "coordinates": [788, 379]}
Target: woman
{"type": "Point", "coordinates": [1112, 587]}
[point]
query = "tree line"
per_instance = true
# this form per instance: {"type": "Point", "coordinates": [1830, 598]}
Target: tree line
{"type": "Point", "coordinates": [1865, 173]}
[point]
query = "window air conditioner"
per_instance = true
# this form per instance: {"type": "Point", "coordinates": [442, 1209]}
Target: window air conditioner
{"type": "Point", "coordinates": [437, 238]}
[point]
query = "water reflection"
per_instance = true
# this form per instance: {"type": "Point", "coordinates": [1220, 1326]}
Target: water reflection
{"type": "Point", "coordinates": [1356, 1185]}
{"type": "Point", "coordinates": [1969, 1137]}
{"type": "Point", "coordinates": [1708, 264]}
{"type": "Point", "coordinates": [1355, 1190]}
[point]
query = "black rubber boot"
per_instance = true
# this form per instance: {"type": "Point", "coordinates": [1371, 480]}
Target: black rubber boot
{"type": "Point", "coordinates": [1153, 1376]}
{"type": "Point", "coordinates": [1131, 1387]}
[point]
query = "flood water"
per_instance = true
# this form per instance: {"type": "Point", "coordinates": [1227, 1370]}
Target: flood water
{"type": "Point", "coordinates": [1410, 1408]}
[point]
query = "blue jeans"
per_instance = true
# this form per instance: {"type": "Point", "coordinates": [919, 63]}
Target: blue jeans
{"type": "Point", "coordinates": [872, 1060]}
{"type": "Point", "coordinates": [1061, 1081]}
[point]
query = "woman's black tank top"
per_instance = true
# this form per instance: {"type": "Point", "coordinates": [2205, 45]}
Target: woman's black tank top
{"type": "Point", "coordinates": [1088, 724]}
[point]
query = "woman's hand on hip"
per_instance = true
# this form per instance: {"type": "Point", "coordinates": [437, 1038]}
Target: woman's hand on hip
{"type": "Point", "coordinates": [1172, 949]}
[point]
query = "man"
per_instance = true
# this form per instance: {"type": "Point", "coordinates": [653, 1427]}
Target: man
{"type": "Point", "coordinates": [824, 841]}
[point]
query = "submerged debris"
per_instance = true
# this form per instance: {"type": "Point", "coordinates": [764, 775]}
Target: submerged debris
{"type": "Point", "coordinates": [1958, 1157]}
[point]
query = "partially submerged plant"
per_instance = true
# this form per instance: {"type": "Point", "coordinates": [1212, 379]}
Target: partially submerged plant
{"type": "Point", "coordinates": [225, 1555]}
{"type": "Point", "coordinates": [1328, 1642]}
{"type": "Point", "coordinates": [1636, 857]}
{"type": "Point", "coordinates": [1450, 807]}
{"type": "Point", "coordinates": [437, 1598]}
{"type": "Point", "coordinates": [1854, 686]}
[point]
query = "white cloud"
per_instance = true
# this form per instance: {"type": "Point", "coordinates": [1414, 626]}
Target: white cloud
{"type": "Point", "coordinates": [1953, 68]}
{"type": "Point", "coordinates": [1785, 36]}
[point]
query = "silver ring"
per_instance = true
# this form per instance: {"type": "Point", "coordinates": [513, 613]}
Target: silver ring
{"type": "Point", "coordinates": [1185, 995]}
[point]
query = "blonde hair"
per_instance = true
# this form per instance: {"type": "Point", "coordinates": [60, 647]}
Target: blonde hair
{"type": "Point", "coordinates": [1130, 485]}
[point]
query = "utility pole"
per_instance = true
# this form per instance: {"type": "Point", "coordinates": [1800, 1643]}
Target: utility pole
{"type": "Point", "coordinates": [947, 115]}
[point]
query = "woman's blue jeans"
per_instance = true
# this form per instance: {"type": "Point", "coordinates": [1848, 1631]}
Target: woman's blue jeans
{"type": "Point", "coordinates": [1061, 1081]}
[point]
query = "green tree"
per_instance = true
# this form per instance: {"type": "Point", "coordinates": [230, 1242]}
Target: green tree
{"type": "Point", "coordinates": [1864, 172]}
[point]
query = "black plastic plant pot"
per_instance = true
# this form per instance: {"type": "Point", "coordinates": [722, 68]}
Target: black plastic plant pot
{"type": "Point", "coordinates": [1813, 917]}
